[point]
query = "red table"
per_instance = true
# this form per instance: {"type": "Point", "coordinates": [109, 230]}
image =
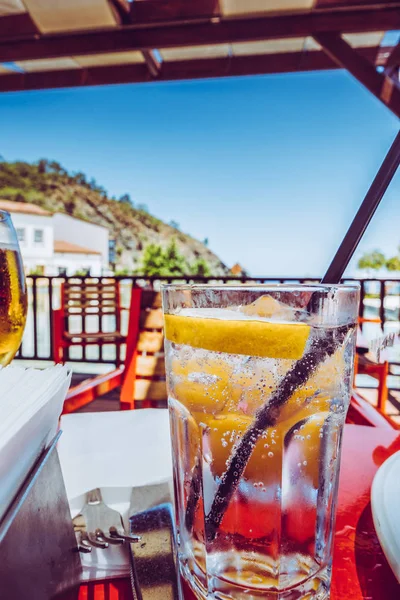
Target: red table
{"type": "Point", "coordinates": [360, 570]}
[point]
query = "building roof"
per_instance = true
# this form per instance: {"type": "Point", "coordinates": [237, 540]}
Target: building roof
{"type": "Point", "coordinates": [237, 269]}
{"type": "Point", "coordinates": [66, 44]}
{"type": "Point", "coordinates": [23, 207]}
{"type": "Point", "coordinates": [68, 248]}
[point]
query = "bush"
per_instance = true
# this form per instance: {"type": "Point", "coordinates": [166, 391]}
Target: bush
{"type": "Point", "coordinates": [201, 268]}
{"type": "Point", "coordinates": [163, 263]}
{"type": "Point", "coordinates": [124, 271]}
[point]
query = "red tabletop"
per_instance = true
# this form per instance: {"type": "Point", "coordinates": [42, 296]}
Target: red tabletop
{"type": "Point", "coordinates": [360, 570]}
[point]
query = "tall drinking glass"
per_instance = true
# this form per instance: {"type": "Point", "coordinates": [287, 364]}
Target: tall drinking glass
{"type": "Point", "coordinates": [259, 381]}
{"type": "Point", "coordinates": [13, 296]}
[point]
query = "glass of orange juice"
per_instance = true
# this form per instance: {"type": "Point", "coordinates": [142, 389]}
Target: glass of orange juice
{"type": "Point", "coordinates": [259, 382]}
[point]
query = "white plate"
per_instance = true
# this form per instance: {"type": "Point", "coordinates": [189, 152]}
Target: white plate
{"type": "Point", "coordinates": [385, 501]}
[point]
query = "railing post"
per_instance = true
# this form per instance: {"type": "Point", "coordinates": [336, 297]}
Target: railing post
{"type": "Point", "coordinates": [50, 315]}
{"type": "Point", "coordinates": [34, 308]}
{"type": "Point", "coordinates": [362, 296]}
{"type": "Point", "coordinates": [382, 303]}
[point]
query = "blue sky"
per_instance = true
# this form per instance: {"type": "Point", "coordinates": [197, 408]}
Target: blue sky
{"type": "Point", "coordinates": [270, 169]}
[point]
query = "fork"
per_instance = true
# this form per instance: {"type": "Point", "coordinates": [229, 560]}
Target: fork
{"type": "Point", "coordinates": [100, 525]}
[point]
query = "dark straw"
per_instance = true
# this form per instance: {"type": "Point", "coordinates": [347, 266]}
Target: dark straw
{"type": "Point", "coordinates": [266, 417]}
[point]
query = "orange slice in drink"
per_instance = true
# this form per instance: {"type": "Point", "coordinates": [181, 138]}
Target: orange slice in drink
{"type": "Point", "coordinates": [226, 431]}
{"type": "Point", "coordinates": [265, 464]}
{"type": "Point", "coordinates": [245, 336]}
{"type": "Point", "coordinates": [204, 384]}
{"type": "Point", "coordinates": [316, 394]}
{"type": "Point", "coordinates": [267, 306]}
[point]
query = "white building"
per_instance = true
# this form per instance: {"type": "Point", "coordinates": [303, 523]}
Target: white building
{"type": "Point", "coordinates": [82, 233]}
{"type": "Point", "coordinates": [57, 244]}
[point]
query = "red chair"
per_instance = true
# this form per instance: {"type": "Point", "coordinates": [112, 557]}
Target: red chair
{"type": "Point", "coordinates": [142, 375]}
{"type": "Point", "coordinates": [361, 412]}
{"type": "Point", "coordinates": [85, 305]}
{"type": "Point", "coordinates": [117, 589]}
{"type": "Point", "coordinates": [366, 365]}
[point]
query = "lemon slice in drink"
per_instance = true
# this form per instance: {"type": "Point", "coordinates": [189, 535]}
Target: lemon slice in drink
{"type": "Point", "coordinates": [235, 333]}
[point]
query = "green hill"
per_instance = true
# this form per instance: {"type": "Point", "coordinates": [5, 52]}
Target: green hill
{"type": "Point", "coordinates": [138, 235]}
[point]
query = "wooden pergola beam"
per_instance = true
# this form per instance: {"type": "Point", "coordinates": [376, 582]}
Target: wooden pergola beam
{"type": "Point", "coordinates": [379, 84]}
{"type": "Point", "coordinates": [178, 70]}
{"type": "Point", "coordinates": [392, 66]}
{"type": "Point", "coordinates": [153, 64]}
{"type": "Point", "coordinates": [205, 33]}
{"type": "Point", "coordinates": [393, 59]}
{"type": "Point", "coordinates": [122, 10]}
{"type": "Point", "coordinates": [159, 11]}
{"type": "Point", "coordinates": [19, 25]}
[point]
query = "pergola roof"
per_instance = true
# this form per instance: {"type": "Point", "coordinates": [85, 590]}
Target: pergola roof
{"type": "Point", "coordinates": [45, 44]}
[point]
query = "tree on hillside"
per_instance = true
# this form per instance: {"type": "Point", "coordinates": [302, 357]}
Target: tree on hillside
{"type": "Point", "coordinates": [393, 264]}
{"type": "Point", "coordinates": [55, 167]}
{"type": "Point", "coordinates": [201, 268]}
{"type": "Point", "coordinates": [175, 262]}
{"type": "Point", "coordinates": [163, 263]}
{"type": "Point", "coordinates": [42, 165]}
{"type": "Point", "coordinates": [80, 178]}
{"type": "Point", "coordinates": [153, 261]}
{"type": "Point", "coordinates": [126, 199]}
{"type": "Point", "coordinates": [372, 260]}
{"type": "Point", "coordinates": [92, 184]}
{"type": "Point", "coordinates": [69, 205]}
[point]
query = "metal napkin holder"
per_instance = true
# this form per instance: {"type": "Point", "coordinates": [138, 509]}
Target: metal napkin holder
{"type": "Point", "coordinates": [38, 552]}
{"type": "Point", "coordinates": [153, 561]}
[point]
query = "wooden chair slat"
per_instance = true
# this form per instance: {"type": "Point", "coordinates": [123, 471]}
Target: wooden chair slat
{"type": "Point", "coordinates": [150, 341]}
{"type": "Point", "coordinates": [150, 366]}
{"type": "Point", "coordinates": [90, 296]}
{"type": "Point", "coordinates": [99, 336]}
{"type": "Point", "coordinates": [86, 305]}
{"type": "Point", "coordinates": [151, 319]}
{"type": "Point", "coordinates": [89, 290]}
{"type": "Point", "coordinates": [151, 299]}
{"type": "Point", "coordinates": [150, 390]}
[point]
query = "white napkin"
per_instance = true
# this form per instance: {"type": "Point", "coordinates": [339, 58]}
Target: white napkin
{"type": "Point", "coordinates": [113, 451]}
{"type": "Point", "coordinates": [30, 405]}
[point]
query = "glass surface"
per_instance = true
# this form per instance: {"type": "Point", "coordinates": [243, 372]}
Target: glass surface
{"type": "Point", "coordinates": [259, 382]}
{"type": "Point", "coordinates": [13, 295]}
